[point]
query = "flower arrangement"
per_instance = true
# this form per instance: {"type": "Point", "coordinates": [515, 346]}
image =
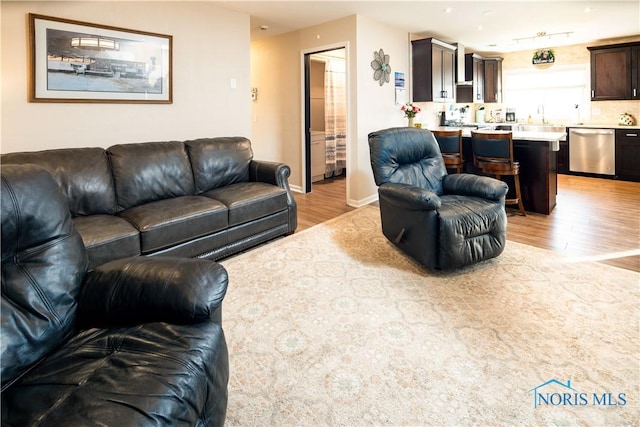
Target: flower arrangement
{"type": "Point", "coordinates": [543, 56]}
{"type": "Point", "coordinates": [410, 110]}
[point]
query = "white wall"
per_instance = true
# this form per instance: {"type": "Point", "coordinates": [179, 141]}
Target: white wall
{"type": "Point", "coordinates": [276, 70]}
{"type": "Point", "coordinates": [376, 107]}
{"type": "Point", "coordinates": [211, 46]}
{"type": "Point", "coordinates": [276, 114]}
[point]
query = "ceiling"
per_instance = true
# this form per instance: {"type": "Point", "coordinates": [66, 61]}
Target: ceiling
{"type": "Point", "coordinates": [481, 26]}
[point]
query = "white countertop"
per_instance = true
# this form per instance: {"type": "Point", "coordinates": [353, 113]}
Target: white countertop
{"type": "Point", "coordinates": [567, 125]}
{"type": "Point", "coordinates": [539, 136]}
{"type": "Point", "coordinates": [528, 136]}
{"type": "Point", "coordinates": [601, 126]}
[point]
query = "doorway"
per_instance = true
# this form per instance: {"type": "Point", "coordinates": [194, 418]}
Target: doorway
{"type": "Point", "coordinates": [325, 118]}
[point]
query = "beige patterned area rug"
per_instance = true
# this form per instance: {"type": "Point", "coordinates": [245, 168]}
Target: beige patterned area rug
{"type": "Point", "coordinates": [334, 327]}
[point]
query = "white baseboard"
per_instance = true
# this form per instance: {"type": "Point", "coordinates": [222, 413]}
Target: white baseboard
{"type": "Point", "coordinates": [350, 202]}
{"type": "Point", "coordinates": [363, 202]}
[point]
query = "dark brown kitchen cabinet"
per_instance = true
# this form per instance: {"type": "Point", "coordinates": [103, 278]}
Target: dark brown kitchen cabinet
{"type": "Point", "coordinates": [635, 72]}
{"type": "Point", "coordinates": [615, 74]}
{"type": "Point", "coordinates": [433, 71]}
{"type": "Point", "coordinates": [473, 89]}
{"type": "Point", "coordinates": [628, 154]}
{"type": "Point", "coordinates": [562, 158]}
{"type": "Point", "coordinates": [493, 79]}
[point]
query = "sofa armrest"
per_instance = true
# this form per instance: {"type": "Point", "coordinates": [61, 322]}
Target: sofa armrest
{"type": "Point", "coordinates": [474, 185]}
{"type": "Point", "coordinates": [270, 172]}
{"type": "Point", "coordinates": [138, 290]}
{"type": "Point", "coordinates": [276, 174]}
{"type": "Point", "coordinates": [409, 197]}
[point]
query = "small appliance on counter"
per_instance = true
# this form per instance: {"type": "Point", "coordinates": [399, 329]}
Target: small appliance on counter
{"type": "Point", "coordinates": [510, 115]}
{"type": "Point", "coordinates": [480, 115]}
{"type": "Point", "coordinates": [463, 114]}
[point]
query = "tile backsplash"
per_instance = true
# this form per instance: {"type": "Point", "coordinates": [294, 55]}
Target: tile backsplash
{"type": "Point", "coordinates": [601, 112]}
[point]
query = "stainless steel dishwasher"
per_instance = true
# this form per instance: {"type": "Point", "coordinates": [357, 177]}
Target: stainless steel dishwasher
{"type": "Point", "coordinates": [592, 151]}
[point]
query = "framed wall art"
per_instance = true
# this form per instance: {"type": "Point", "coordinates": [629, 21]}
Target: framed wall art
{"type": "Point", "coordinates": [74, 61]}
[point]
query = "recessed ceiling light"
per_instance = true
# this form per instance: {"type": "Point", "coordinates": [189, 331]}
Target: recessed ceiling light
{"type": "Point", "coordinates": [448, 10]}
{"type": "Point", "coordinates": [479, 27]}
{"type": "Point", "coordinates": [588, 10]}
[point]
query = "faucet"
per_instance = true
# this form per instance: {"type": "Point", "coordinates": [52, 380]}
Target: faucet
{"type": "Point", "coordinates": [541, 112]}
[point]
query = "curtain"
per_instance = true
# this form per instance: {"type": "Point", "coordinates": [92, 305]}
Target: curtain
{"type": "Point", "coordinates": [335, 123]}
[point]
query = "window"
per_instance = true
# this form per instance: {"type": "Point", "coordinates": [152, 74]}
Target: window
{"type": "Point", "coordinates": [559, 95]}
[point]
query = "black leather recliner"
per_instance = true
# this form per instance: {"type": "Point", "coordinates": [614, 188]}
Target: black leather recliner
{"type": "Point", "coordinates": [135, 342]}
{"type": "Point", "coordinates": [443, 221]}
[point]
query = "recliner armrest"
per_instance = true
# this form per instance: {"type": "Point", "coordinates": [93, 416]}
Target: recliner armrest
{"type": "Point", "coordinates": [138, 290]}
{"type": "Point", "coordinates": [410, 197]}
{"type": "Point", "coordinates": [466, 184]}
{"type": "Point", "coordinates": [270, 172]}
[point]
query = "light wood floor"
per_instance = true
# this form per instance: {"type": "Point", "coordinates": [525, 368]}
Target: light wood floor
{"type": "Point", "coordinates": [595, 219]}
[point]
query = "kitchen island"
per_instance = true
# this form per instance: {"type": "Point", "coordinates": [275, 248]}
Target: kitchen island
{"type": "Point", "coordinates": [536, 152]}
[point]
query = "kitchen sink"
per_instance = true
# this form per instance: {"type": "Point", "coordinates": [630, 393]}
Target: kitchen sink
{"type": "Point", "coordinates": [526, 127]}
{"type": "Point", "coordinates": [538, 128]}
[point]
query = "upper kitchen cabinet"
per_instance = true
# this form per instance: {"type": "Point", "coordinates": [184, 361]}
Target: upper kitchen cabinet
{"type": "Point", "coordinates": [433, 71]}
{"type": "Point", "coordinates": [635, 72]}
{"type": "Point", "coordinates": [472, 90]}
{"type": "Point", "coordinates": [615, 72]}
{"type": "Point", "coordinates": [493, 79]}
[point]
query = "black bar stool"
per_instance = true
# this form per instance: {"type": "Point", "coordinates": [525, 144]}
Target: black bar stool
{"type": "Point", "coordinates": [493, 155]}
{"type": "Point", "coordinates": [450, 142]}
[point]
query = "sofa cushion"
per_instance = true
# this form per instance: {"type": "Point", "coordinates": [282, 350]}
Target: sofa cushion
{"type": "Point", "coordinates": [107, 237]}
{"type": "Point", "coordinates": [83, 174]}
{"type": "Point", "coordinates": [173, 221]}
{"type": "Point", "coordinates": [150, 171]}
{"type": "Point", "coordinates": [218, 162]}
{"type": "Point", "coordinates": [248, 201]}
{"type": "Point", "coordinates": [148, 375]}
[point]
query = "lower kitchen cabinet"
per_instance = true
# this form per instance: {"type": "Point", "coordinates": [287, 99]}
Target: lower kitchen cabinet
{"type": "Point", "coordinates": [318, 155]}
{"type": "Point", "coordinates": [563, 158]}
{"type": "Point", "coordinates": [628, 154]}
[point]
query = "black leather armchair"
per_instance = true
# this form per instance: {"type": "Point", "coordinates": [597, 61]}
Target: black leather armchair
{"type": "Point", "coordinates": [137, 341]}
{"type": "Point", "coordinates": [443, 221]}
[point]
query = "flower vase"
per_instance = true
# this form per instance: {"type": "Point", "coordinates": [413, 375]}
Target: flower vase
{"type": "Point", "coordinates": [410, 121]}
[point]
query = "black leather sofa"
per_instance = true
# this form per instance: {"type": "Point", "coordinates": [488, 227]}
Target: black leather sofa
{"type": "Point", "coordinates": [134, 342]}
{"type": "Point", "coordinates": [202, 198]}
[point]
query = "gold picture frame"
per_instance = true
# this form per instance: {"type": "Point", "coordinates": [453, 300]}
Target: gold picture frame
{"type": "Point", "coordinates": [74, 61]}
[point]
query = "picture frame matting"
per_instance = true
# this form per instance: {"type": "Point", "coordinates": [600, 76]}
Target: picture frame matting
{"type": "Point", "coordinates": [74, 61]}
